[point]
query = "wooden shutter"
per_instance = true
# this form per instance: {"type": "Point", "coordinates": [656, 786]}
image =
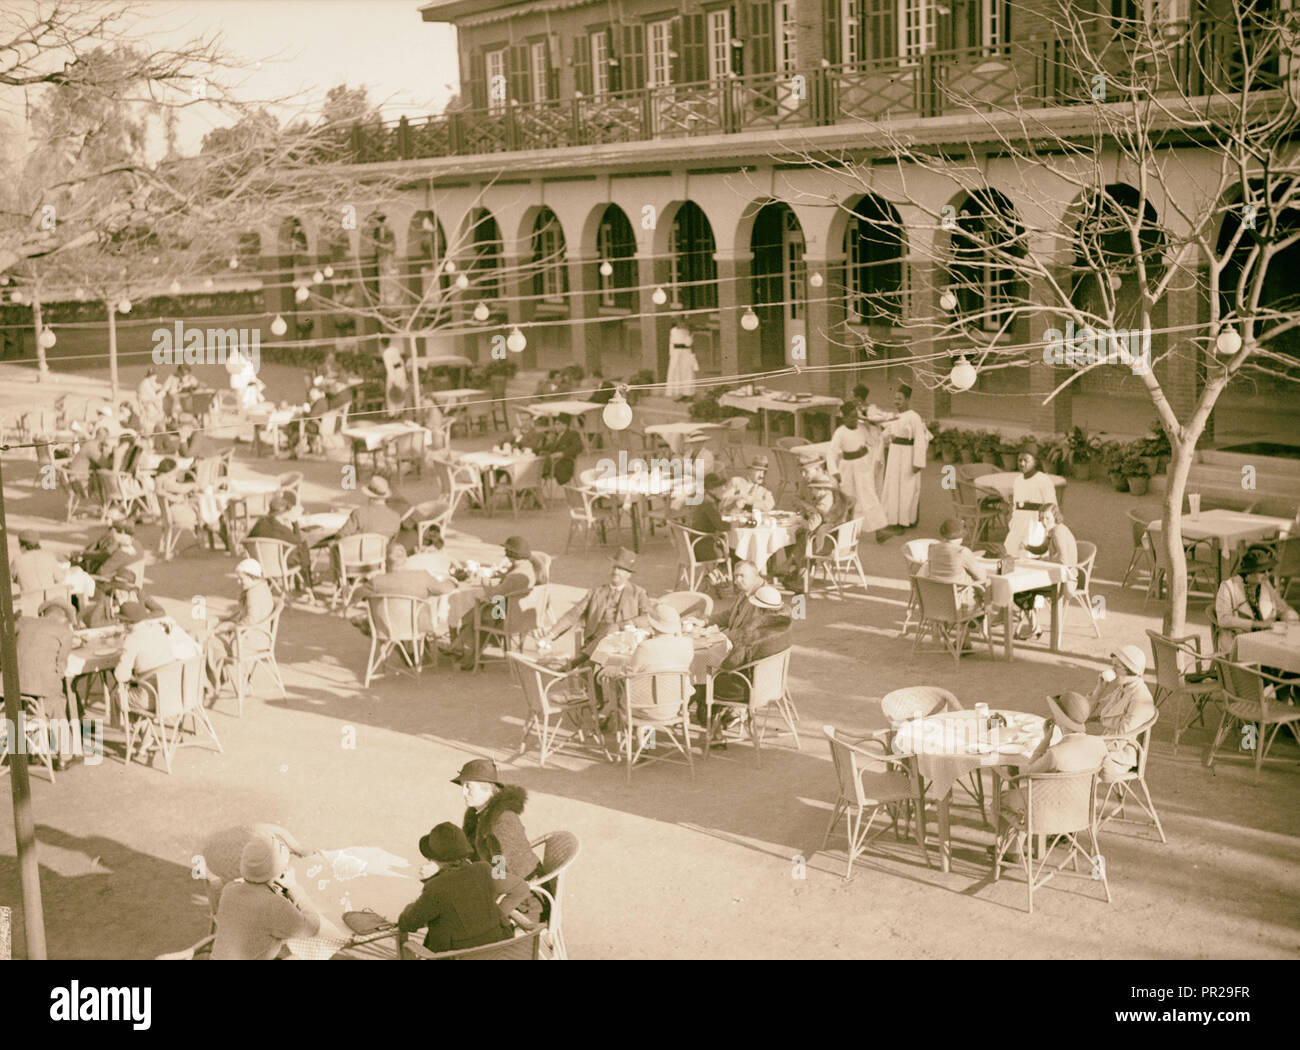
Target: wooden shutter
{"type": "Point", "coordinates": [760, 46]}
{"type": "Point", "coordinates": [695, 51]}
{"type": "Point", "coordinates": [582, 74]}
{"type": "Point", "coordinates": [553, 67]}
{"type": "Point", "coordinates": [832, 48]}
{"type": "Point", "coordinates": [677, 70]}
{"type": "Point", "coordinates": [966, 23]}
{"type": "Point", "coordinates": [631, 63]}
{"type": "Point", "coordinates": [881, 23]}
{"type": "Point", "coordinates": [478, 87]}
{"type": "Point", "coordinates": [517, 57]}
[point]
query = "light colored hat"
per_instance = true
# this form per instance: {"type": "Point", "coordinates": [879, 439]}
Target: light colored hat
{"type": "Point", "coordinates": [1071, 711]}
{"type": "Point", "coordinates": [261, 860]}
{"type": "Point", "coordinates": [249, 567]}
{"type": "Point", "coordinates": [378, 488]}
{"type": "Point", "coordinates": [759, 461]}
{"type": "Point", "coordinates": [766, 597]}
{"type": "Point", "coordinates": [665, 619]}
{"type": "Point", "coordinates": [1131, 657]}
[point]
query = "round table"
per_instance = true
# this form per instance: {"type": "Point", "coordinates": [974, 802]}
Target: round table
{"type": "Point", "coordinates": [613, 652]}
{"type": "Point", "coordinates": [757, 543]}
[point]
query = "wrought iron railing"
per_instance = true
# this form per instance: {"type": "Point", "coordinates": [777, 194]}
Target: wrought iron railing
{"type": "Point", "coordinates": [1194, 60]}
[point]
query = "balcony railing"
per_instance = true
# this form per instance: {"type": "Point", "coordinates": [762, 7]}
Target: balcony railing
{"type": "Point", "coordinates": [1197, 60]}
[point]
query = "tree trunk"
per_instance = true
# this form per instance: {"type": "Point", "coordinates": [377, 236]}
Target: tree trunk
{"type": "Point", "coordinates": [42, 366]}
{"type": "Point", "coordinates": [112, 353]}
{"type": "Point", "coordinates": [1171, 535]}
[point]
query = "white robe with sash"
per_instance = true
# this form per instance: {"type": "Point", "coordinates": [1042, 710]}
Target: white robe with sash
{"type": "Point", "coordinates": [901, 496]}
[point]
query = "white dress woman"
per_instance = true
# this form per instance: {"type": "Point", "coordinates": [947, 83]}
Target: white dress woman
{"type": "Point", "coordinates": [682, 363]}
{"type": "Point", "coordinates": [850, 457]}
{"type": "Point", "coordinates": [1030, 492]}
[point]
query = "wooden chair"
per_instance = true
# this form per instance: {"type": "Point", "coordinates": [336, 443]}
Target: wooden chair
{"type": "Point", "coordinates": [943, 617]}
{"type": "Point", "coordinates": [36, 731]}
{"type": "Point", "coordinates": [691, 570]}
{"type": "Point", "coordinates": [356, 558]}
{"type": "Point", "coordinates": [254, 647]}
{"type": "Point", "coordinates": [655, 705]}
{"type": "Point", "coordinates": [764, 684]}
{"type": "Point", "coordinates": [1175, 682]}
{"type": "Point", "coordinates": [689, 603]}
{"type": "Point", "coordinates": [980, 512]}
{"type": "Point", "coordinates": [1132, 784]}
{"type": "Point", "coordinates": [1246, 703]}
{"type": "Point", "coordinates": [395, 625]}
{"type": "Point", "coordinates": [1059, 808]}
{"type": "Point", "coordinates": [870, 779]}
{"type": "Point", "coordinates": [1083, 590]}
{"type": "Point", "coordinates": [1200, 565]}
{"type": "Point", "coordinates": [589, 511]}
{"type": "Point", "coordinates": [561, 706]}
{"type": "Point", "coordinates": [837, 552]}
{"type": "Point", "coordinates": [915, 554]}
{"type": "Point", "coordinates": [1288, 564]}
{"type": "Point", "coordinates": [123, 494]}
{"type": "Point", "coordinates": [173, 696]}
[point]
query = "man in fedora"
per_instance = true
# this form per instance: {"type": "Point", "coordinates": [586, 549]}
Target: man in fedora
{"type": "Point", "coordinates": [707, 518]}
{"type": "Point", "coordinates": [374, 515]}
{"type": "Point", "coordinates": [826, 509]}
{"type": "Point", "coordinates": [747, 492]}
{"type": "Point", "coordinates": [605, 608]}
{"type": "Point", "coordinates": [464, 902]}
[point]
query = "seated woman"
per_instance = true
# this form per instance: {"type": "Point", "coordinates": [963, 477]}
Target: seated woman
{"type": "Point", "coordinates": [1058, 546]}
{"type": "Point", "coordinates": [1249, 600]}
{"type": "Point", "coordinates": [263, 908]}
{"type": "Point", "coordinates": [951, 561]}
{"type": "Point", "coordinates": [492, 824]}
{"type": "Point", "coordinates": [458, 906]}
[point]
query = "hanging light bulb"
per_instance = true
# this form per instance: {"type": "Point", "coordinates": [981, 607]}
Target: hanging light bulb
{"type": "Point", "coordinates": [17, 296]}
{"type": "Point", "coordinates": [234, 262]}
{"type": "Point", "coordinates": [815, 280]}
{"type": "Point", "coordinates": [278, 326]}
{"type": "Point", "coordinates": [462, 281]}
{"type": "Point", "coordinates": [749, 319]}
{"type": "Point", "coordinates": [156, 260]}
{"type": "Point", "coordinates": [209, 283]}
{"type": "Point", "coordinates": [617, 413]}
{"type": "Point", "coordinates": [1228, 342]}
{"type": "Point", "coordinates": [659, 296]}
{"type": "Point", "coordinates": [606, 269]}
{"type": "Point", "coordinates": [516, 341]}
{"type": "Point", "coordinates": [450, 266]}
{"type": "Point", "coordinates": [329, 272]}
{"type": "Point", "coordinates": [124, 307]}
{"type": "Point", "coordinates": [426, 225]}
{"type": "Point", "coordinates": [81, 293]}
{"type": "Point", "coordinates": [48, 338]}
{"type": "Point", "coordinates": [1116, 282]}
{"type": "Point", "coordinates": [302, 294]}
{"type": "Point", "coordinates": [174, 287]}
{"type": "Point", "coordinates": [963, 375]}
{"type": "Point", "coordinates": [481, 312]}
{"type": "Point", "coordinates": [948, 301]}
{"type": "Point", "coordinates": [318, 278]}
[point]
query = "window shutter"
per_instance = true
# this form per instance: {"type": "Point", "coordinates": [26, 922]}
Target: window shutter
{"type": "Point", "coordinates": [945, 28]}
{"type": "Point", "coordinates": [518, 58]}
{"type": "Point", "coordinates": [582, 76]}
{"type": "Point", "coordinates": [632, 60]}
{"type": "Point", "coordinates": [881, 26]}
{"type": "Point", "coordinates": [478, 87]}
{"type": "Point", "coordinates": [552, 67]}
{"type": "Point", "coordinates": [832, 47]}
{"type": "Point", "coordinates": [967, 30]}
{"type": "Point", "coordinates": [677, 69]}
{"type": "Point", "coordinates": [695, 52]}
{"type": "Point", "coordinates": [760, 49]}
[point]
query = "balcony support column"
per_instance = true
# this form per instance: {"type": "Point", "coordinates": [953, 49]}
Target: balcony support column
{"type": "Point", "coordinates": [921, 310]}
{"type": "Point", "coordinates": [738, 351]}
{"type": "Point", "coordinates": [824, 315]}
{"type": "Point", "coordinates": [655, 320]}
{"type": "Point", "coordinates": [1054, 417]}
{"type": "Point", "coordinates": [584, 295]}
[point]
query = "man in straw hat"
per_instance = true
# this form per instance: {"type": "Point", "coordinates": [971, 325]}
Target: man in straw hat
{"type": "Point", "coordinates": [606, 607]}
{"type": "Point", "coordinates": [667, 649]}
{"type": "Point", "coordinates": [264, 907]}
{"type": "Point", "coordinates": [374, 515]}
{"type": "Point", "coordinates": [747, 491]}
{"type": "Point", "coordinates": [909, 442]}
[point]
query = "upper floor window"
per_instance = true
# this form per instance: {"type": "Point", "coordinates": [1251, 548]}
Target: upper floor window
{"type": "Point", "coordinates": [787, 55]}
{"type": "Point", "coordinates": [600, 62]}
{"type": "Point", "coordinates": [995, 25]}
{"type": "Point", "coordinates": [495, 70]}
{"type": "Point", "coordinates": [851, 14]}
{"type": "Point", "coordinates": [719, 37]}
{"type": "Point", "coordinates": [916, 28]}
{"type": "Point", "coordinates": [540, 69]}
{"type": "Point", "coordinates": [659, 45]}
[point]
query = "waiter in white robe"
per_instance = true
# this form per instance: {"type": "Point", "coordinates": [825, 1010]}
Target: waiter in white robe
{"type": "Point", "coordinates": [849, 459]}
{"type": "Point", "coordinates": [682, 363]}
{"type": "Point", "coordinates": [1031, 491]}
{"type": "Point", "coordinates": [909, 443]}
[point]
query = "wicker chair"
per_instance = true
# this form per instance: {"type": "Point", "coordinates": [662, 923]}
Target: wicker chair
{"type": "Point", "coordinates": [1247, 704]}
{"type": "Point", "coordinates": [356, 558]}
{"type": "Point", "coordinates": [691, 570]}
{"type": "Point", "coordinates": [1058, 809]}
{"type": "Point", "coordinates": [1175, 682]}
{"type": "Point", "coordinates": [943, 617]}
{"type": "Point", "coordinates": [586, 515]}
{"type": "Point", "coordinates": [656, 705]}
{"type": "Point", "coordinates": [1200, 565]}
{"type": "Point", "coordinates": [915, 554]}
{"type": "Point", "coordinates": [1140, 520]}
{"type": "Point", "coordinates": [1132, 784]}
{"type": "Point", "coordinates": [526, 484]}
{"type": "Point", "coordinates": [1083, 590]}
{"type": "Point", "coordinates": [689, 603]}
{"type": "Point", "coordinates": [835, 553]}
{"type": "Point", "coordinates": [869, 782]}
{"type": "Point", "coordinates": [559, 850]}
{"type": "Point", "coordinates": [36, 729]}
{"type": "Point", "coordinates": [401, 623]}
{"type": "Point", "coordinates": [254, 647]}
{"type": "Point", "coordinates": [160, 718]}
{"type": "Point", "coordinates": [764, 684]}
{"type": "Point", "coordinates": [1288, 564]}
{"type": "Point", "coordinates": [554, 698]}
{"type": "Point", "coordinates": [273, 555]}
{"type": "Point", "coordinates": [922, 701]}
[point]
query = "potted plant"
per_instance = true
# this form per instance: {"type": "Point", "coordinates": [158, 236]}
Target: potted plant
{"type": "Point", "coordinates": [987, 447]}
{"type": "Point", "coordinates": [1158, 447]}
{"type": "Point", "coordinates": [1137, 470]}
{"type": "Point", "coordinates": [964, 441]}
{"type": "Point", "coordinates": [1082, 451]}
{"type": "Point", "coordinates": [1113, 454]}
{"type": "Point", "coordinates": [945, 443]}
{"type": "Point", "coordinates": [1053, 452]}
{"type": "Point", "coordinates": [1009, 454]}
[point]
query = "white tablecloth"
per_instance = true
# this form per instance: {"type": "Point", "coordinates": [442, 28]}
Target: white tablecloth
{"type": "Point", "coordinates": [481, 461]}
{"type": "Point", "coordinates": [563, 408]}
{"type": "Point", "coordinates": [373, 435]}
{"type": "Point", "coordinates": [1280, 649]}
{"type": "Point", "coordinates": [760, 542]}
{"type": "Point", "coordinates": [772, 403]}
{"type": "Point", "coordinates": [451, 398]}
{"type": "Point", "coordinates": [1030, 574]}
{"type": "Point", "coordinates": [613, 652]}
{"type": "Point", "coordinates": [1229, 528]}
{"type": "Point", "coordinates": [1001, 483]}
{"type": "Point", "coordinates": [950, 745]}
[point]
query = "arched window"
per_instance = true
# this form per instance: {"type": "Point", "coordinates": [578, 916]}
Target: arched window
{"type": "Point", "coordinates": [550, 272]}
{"type": "Point", "coordinates": [693, 272]}
{"type": "Point", "coordinates": [873, 253]}
{"type": "Point", "coordinates": [986, 245]}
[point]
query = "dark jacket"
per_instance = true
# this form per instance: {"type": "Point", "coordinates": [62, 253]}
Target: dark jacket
{"type": "Point", "coordinates": [373, 517]}
{"type": "Point", "coordinates": [708, 518]}
{"type": "Point", "coordinates": [269, 527]}
{"type": "Point", "coordinates": [566, 450]}
{"type": "Point", "coordinates": [767, 635]}
{"type": "Point", "coordinates": [43, 647]}
{"type": "Point", "coordinates": [458, 905]}
{"type": "Point", "coordinates": [497, 831]}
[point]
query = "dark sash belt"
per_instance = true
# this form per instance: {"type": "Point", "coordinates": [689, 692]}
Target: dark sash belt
{"type": "Point", "coordinates": [1030, 506]}
{"type": "Point", "coordinates": [901, 441]}
{"type": "Point", "coordinates": [854, 455]}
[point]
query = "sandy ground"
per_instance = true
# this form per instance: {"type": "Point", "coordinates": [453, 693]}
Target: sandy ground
{"type": "Point", "coordinates": [724, 865]}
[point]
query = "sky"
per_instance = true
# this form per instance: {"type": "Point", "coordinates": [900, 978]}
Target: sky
{"type": "Point", "coordinates": [306, 47]}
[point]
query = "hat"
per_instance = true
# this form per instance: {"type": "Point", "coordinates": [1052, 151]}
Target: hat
{"type": "Point", "coordinates": [952, 528]}
{"type": "Point", "coordinates": [166, 465]}
{"type": "Point", "coordinates": [133, 612]}
{"type": "Point", "coordinates": [665, 619]}
{"type": "Point", "coordinates": [759, 461]}
{"type": "Point", "coordinates": [446, 843]}
{"type": "Point", "coordinates": [714, 481]}
{"type": "Point", "coordinates": [1071, 711]}
{"type": "Point", "coordinates": [63, 607]}
{"type": "Point", "coordinates": [249, 567]}
{"type": "Point", "coordinates": [30, 537]}
{"type": "Point", "coordinates": [279, 503]}
{"type": "Point", "coordinates": [123, 525]}
{"type": "Point", "coordinates": [1131, 657]}
{"type": "Point", "coordinates": [1256, 559]}
{"type": "Point", "coordinates": [484, 770]}
{"type": "Point", "coordinates": [766, 597]}
{"type": "Point", "coordinates": [123, 581]}
{"type": "Point", "coordinates": [624, 559]}
{"type": "Point", "coordinates": [261, 860]}
{"type": "Point", "coordinates": [820, 480]}
{"type": "Point", "coordinates": [904, 389]}
{"type": "Point", "coordinates": [186, 419]}
{"type": "Point", "coordinates": [517, 547]}
{"type": "Point", "coordinates": [378, 488]}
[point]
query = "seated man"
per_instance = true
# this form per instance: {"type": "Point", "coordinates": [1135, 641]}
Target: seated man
{"type": "Point", "coordinates": [105, 608]}
{"type": "Point", "coordinates": [747, 492]}
{"type": "Point", "coordinates": [276, 525]}
{"type": "Point", "coordinates": [819, 517]}
{"type": "Point", "coordinates": [413, 583]}
{"type": "Point", "coordinates": [518, 579]}
{"type": "Point", "coordinates": [1117, 705]}
{"type": "Point", "coordinates": [256, 604]}
{"type": "Point", "coordinates": [667, 649]}
{"type": "Point", "coordinates": [539, 437]}
{"type": "Point", "coordinates": [262, 909]}
{"type": "Point", "coordinates": [43, 643]}
{"type": "Point", "coordinates": [35, 569]}
{"type": "Point", "coordinates": [458, 905]}
{"type": "Point", "coordinates": [740, 613]}
{"type": "Point", "coordinates": [562, 456]}
{"type": "Point", "coordinates": [1249, 600]}
{"type": "Point", "coordinates": [765, 635]}
{"type": "Point", "coordinates": [301, 432]}
{"type": "Point", "coordinates": [195, 443]}
{"type": "Point", "coordinates": [707, 518]}
{"type": "Point", "coordinates": [606, 608]}
{"type": "Point", "coordinates": [120, 536]}
{"type": "Point", "coordinates": [699, 452]}
{"type": "Point", "coordinates": [92, 455]}
{"type": "Point", "coordinates": [951, 561]}
{"type": "Point", "coordinates": [375, 515]}
{"type": "Point", "coordinates": [146, 648]}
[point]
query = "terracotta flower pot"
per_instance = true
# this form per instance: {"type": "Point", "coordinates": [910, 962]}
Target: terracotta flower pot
{"type": "Point", "coordinates": [1082, 469]}
{"type": "Point", "coordinates": [1138, 484]}
{"type": "Point", "coordinates": [968, 455]}
{"type": "Point", "coordinates": [1119, 481]}
{"type": "Point", "coordinates": [1152, 464]}
{"type": "Point", "coordinates": [1010, 460]}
